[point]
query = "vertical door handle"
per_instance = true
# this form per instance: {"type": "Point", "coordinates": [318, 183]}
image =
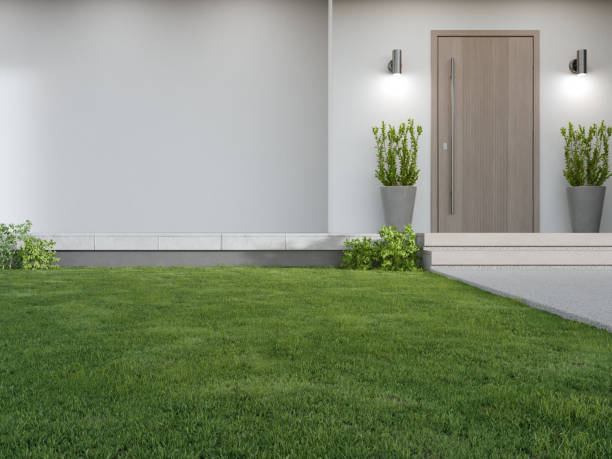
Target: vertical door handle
{"type": "Point", "coordinates": [452, 137]}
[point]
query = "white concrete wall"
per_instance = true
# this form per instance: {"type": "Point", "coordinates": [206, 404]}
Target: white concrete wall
{"type": "Point", "coordinates": [160, 115]}
{"type": "Point", "coordinates": [211, 115]}
{"type": "Point", "coordinates": [363, 93]}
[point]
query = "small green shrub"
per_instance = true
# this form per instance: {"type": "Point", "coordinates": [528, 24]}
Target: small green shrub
{"type": "Point", "coordinates": [586, 154]}
{"type": "Point", "coordinates": [37, 253]}
{"type": "Point", "coordinates": [10, 237]}
{"type": "Point", "coordinates": [19, 249]}
{"type": "Point", "coordinates": [397, 251]}
{"type": "Point", "coordinates": [394, 251]}
{"type": "Point", "coordinates": [359, 254]}
{"type": "Point", "coordinates": [396, 159]}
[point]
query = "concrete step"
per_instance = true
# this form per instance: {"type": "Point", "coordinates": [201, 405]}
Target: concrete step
{"type": "Point", "coordinates": [431, 240]}
{"type": "Point", "coordinates": [517, 256]}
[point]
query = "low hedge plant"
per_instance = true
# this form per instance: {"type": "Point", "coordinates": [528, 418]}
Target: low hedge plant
{"type": "Point", "coordinates": [394, 251]}
{"type": "Point", "coordinates": [20, 250]}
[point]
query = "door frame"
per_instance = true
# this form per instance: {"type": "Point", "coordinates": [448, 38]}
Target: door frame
{"type": "Point", "coordinates": [435, 34]}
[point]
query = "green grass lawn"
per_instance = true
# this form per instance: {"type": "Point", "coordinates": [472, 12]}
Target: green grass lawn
{"type": "Point", "coordinates": [151, 362]}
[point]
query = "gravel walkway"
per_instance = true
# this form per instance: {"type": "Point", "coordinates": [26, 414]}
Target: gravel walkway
{"type": "Point", "coordinates": [583, 294]}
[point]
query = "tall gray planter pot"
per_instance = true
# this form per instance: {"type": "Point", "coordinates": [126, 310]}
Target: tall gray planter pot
{"type": "Point", "coordinates": [586, 206]}
{"type": "Point", "coordinates": [398, 205]}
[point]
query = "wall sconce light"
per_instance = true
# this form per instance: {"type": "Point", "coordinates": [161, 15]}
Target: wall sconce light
{"type": "Point", "coordinates": [395, 64]}
{"type": "Point", "coordinates": [579, 65]}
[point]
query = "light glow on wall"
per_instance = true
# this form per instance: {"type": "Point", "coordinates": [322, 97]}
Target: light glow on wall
{"type": "Point", "coordinates": [396, 86]}
{"type": "Point", "coordinates": [577, 88]}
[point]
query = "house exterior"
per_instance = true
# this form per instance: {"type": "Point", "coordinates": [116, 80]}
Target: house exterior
{"type": "Point", "coordinates": [254, 116]}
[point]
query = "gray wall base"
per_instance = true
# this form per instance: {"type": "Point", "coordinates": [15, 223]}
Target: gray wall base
{"type": "Point", "coordinates": [201, 258]}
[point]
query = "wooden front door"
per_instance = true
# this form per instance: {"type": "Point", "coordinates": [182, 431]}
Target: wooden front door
{"type": "Point", "coordinates": [485, 107]}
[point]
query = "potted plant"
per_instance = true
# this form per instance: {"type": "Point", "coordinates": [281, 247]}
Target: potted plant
{"type": "Point", "coordinates": [586, 170]}
{"type": "Point", "coordinates": [397, 170]}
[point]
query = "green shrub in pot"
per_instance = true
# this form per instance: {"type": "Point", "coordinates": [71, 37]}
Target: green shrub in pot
{"type": "Point", "coordinates": [397, 169]}
{"type": "Point", "coordinates": [586, 170]}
